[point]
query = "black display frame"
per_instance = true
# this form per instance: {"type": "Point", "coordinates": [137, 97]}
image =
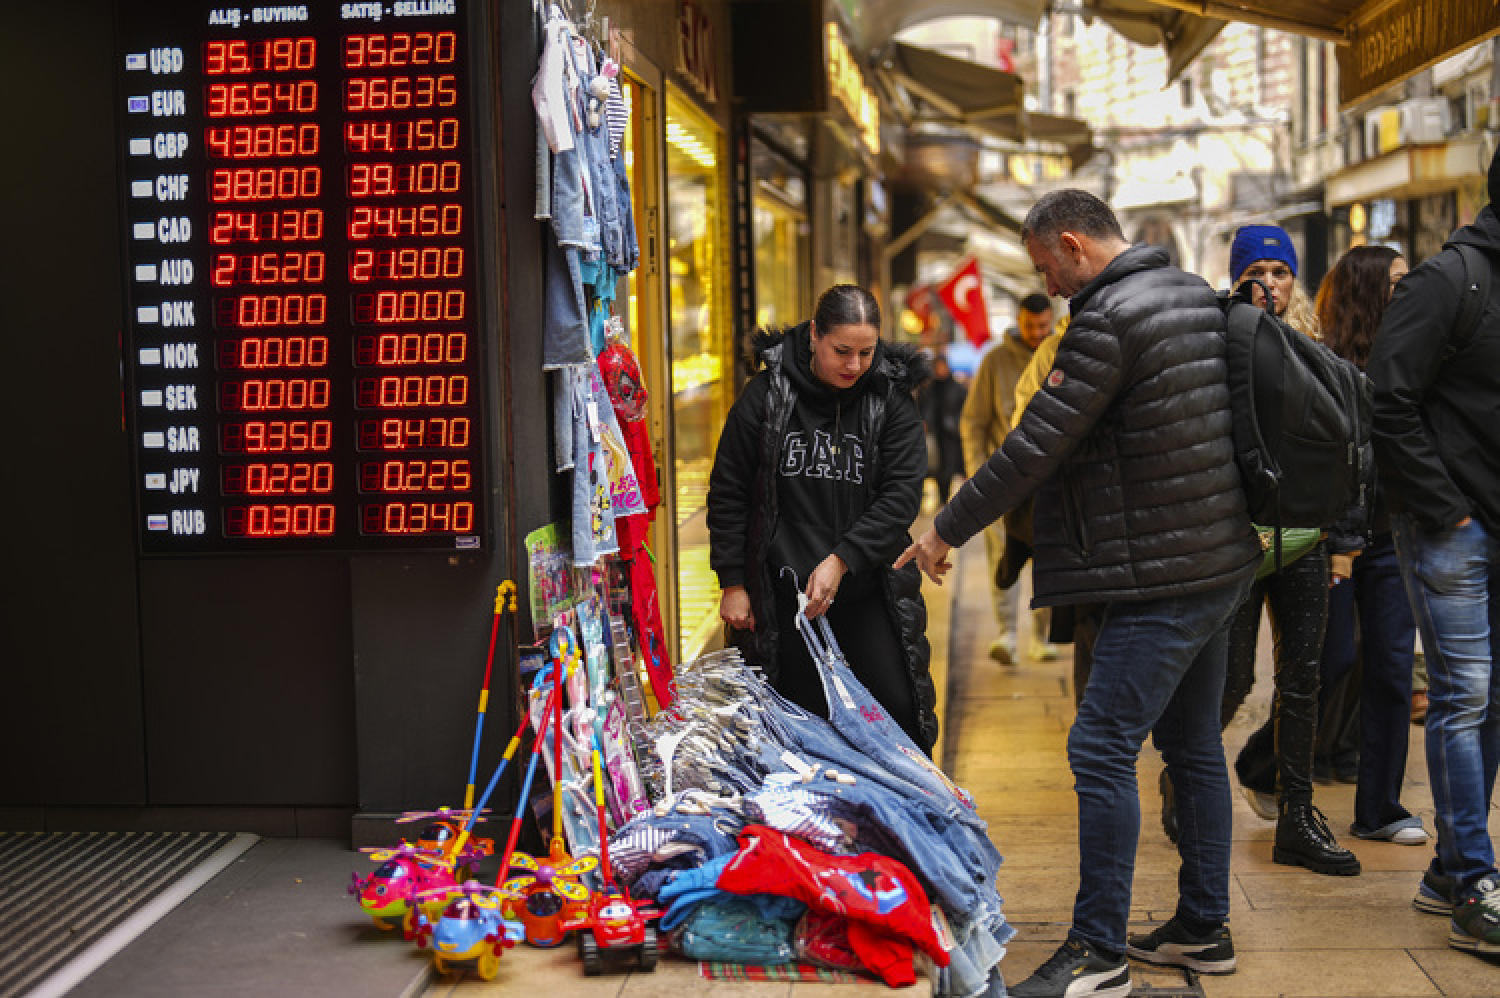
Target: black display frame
{"type": "Point", "coordinates": [162, 96]}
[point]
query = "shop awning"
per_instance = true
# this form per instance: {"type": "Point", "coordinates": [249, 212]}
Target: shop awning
{"type": "Point", "coordinates": [1380, 42]}
{"type": "Point", "coordinates": [874, 22]}
{"type": "Point", "coordinates": [960, 93]}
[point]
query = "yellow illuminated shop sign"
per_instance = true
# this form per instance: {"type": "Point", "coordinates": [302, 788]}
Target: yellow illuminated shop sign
{"type": "Point", "coordinates": [847, 84]}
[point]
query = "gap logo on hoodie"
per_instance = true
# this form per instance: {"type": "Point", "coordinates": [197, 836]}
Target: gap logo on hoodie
{"type": "Point", "coordinates": [821, 459]}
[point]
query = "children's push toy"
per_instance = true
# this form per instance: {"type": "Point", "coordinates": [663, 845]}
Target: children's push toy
{"type": "Point", "coordinates": [613, 922]}
{"type": "Point", "coordinates": [390, 894]}
{"type": "Point", "coordinates": [549, 894]}
{"type": "Point", "coordinates": [443, 834]}
{"type": "Point", "coordinates": [471, 931]}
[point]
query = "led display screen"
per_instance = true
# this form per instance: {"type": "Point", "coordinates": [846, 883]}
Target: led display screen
{"type": "Point", "coordinates": [302, 356]}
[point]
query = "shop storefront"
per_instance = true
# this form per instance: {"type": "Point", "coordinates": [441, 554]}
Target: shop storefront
{"type": "Point", "coordinates": [1411, 198]}
{"type": "Point", "coordinates": [677, 303]}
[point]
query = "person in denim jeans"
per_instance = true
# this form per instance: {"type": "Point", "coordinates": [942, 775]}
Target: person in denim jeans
{"type": "Point", "coordinates": [1437, 389]}
{"type": "Point", "coordinates": [1139, 508]}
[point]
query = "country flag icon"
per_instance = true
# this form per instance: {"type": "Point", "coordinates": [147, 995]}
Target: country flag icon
{"type": "Point", "coordinates": [156, 481]}
{"type": "Point", "coordinates": [157, 521]}
{"type": "Point", "coordinates": [135, 60]}
{"type": "Point", "coordinates": [138, 105]}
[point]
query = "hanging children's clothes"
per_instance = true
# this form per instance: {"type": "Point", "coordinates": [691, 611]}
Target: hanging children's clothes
{"type": "Point", "coordinates": [593, 510]}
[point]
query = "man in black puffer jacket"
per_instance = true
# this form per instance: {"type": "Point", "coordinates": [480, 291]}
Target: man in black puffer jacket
{"type": "Point", "coordinates": [1140, 508]}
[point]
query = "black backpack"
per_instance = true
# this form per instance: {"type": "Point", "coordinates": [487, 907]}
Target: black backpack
{"type": "Point", "coordinates": [1301, 419]}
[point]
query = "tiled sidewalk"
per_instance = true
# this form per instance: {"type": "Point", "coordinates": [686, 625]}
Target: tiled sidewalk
{"type": "Point", "coordinates": [1297, 933]}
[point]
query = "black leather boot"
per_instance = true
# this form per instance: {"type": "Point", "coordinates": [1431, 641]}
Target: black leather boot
{"type": "Point", "coordinates": [1303, 839]}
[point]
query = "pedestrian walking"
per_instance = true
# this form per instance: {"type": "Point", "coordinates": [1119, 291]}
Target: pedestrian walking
{"type": "Point", "coordinates": [1369, 617]}
{"type": "Point", "coordinates": [987, 417]}
{"type": "Point", "coordinates": [1437, 389]}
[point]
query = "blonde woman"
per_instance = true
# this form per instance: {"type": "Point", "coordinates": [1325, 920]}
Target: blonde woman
{"type": "Point", "coordinates": [1275, 766]}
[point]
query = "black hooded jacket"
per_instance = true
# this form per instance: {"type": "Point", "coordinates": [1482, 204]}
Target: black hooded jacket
{"type": "Point", "coordinates": [847, 469]}
{"type": "Point", "coordinates": [1435, 422]}
{"type": "Point", "coordinates": [1127, 447]}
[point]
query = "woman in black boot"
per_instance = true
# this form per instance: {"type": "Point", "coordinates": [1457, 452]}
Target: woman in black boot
{"type": "Point", "coordinates": [1275, 766]}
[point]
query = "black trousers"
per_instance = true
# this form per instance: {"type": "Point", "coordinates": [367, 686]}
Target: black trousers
{"type": "Point", "coordinates": [1279, 755]}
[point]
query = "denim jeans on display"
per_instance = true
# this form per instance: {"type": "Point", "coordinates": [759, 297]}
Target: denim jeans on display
{"type": "Point", "coordinates": [945, 842]}
{"type": "Point", "coordinates": [1453, 581]}
{"type": "Point", "coordinates": [1370, 619]}
{"type": "Point", "coordinates": [1158, 669]}
{"type": "Point", "coordinates": [565, 334]}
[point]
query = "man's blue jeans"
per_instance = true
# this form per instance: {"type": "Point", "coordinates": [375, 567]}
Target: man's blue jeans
{"type": "Point", "coordinates": [1453, 581]}
{"type": "Point", "coordinates": [1159, 669]}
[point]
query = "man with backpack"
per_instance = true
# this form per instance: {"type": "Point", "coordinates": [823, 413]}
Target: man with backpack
{"type": "Point", "coordinates": [1128, 446]}
{"type": "Point", "coordinates": [1436, 369]}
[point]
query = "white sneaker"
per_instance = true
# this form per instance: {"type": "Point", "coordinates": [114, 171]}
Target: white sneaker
{"type": "Point", "coordinates": [1003, 649]}
{"type": "Point", "coordinates": [1405, 832]}
{"type": "Point", "coordinates": [1043, 652]}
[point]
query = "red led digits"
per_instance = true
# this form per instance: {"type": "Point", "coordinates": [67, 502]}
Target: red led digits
{"type": "Point", "coordinates": [271, 436]}
{"type": "Point", "coordinates": [418, 518]}
{"type": "Point", "coordinates": [434, 475]}
{"type": "Point", "coordinates": [255, 353]}
{"type": "Point", "coordinates": [419, 48]}
{"type": "Point", "coordinates": [291, 267]}
{"type": "Point", "coordinates": [412, 391]}
{"type": "Point", "coordinates": [405, 221]}
{"type": "Point", "coordinates": [430, 263]}
{"type": "Point", "coordinates": [288, 226]}
{"type": "Point", "coordinates": [414, 135]}
{"type": "Point", "coordinates": [262, 141]}
{"type": "Point", "coordinates": [430, 433]}
{"type": "Point", "coordinates": [237, 100]}
{"type": "Point", "coordinates": [375, 180]}
{"type": "Point", "coordinates": [271, 394]}
{"type": "Point", "coordinates": [399, 93]}
{"type": "Point", "coordinates": [279, 478]}
{"type": "Point", "coordinates": [289, 520]}
{"type": "Point", "coordinates": [252, 311]}
{"type": "Point", "coordinates": [409, 306]}
{"type": "Point", "coordinates": [268, 183]}
{"type": "Point", "coordinates": [406, 349]}
{"type": "Point", "coordinates": [265, 55]}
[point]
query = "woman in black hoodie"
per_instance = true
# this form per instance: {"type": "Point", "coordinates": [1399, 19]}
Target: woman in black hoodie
{"type": "Point", "coordinates": [819, 470]}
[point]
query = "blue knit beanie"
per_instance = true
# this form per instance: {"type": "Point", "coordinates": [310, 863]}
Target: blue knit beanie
{"type": "Point", "coordinates": [1260, 242]}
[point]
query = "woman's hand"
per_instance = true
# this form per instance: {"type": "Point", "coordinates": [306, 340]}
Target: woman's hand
{"type": "Point", "coordinates": [734, 608]}
{"type": "Point", "coordinates": [1341, 567]}
{"type": "Point", "coordinates": [823, 584]}
{"type": "Point", "coordinates": [931, 554]}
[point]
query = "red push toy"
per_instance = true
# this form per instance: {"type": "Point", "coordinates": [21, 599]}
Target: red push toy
{"type": "Point", "coordinates": [613, 921]}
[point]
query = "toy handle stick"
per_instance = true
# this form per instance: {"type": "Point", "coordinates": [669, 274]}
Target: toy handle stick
{"type": "Point", "coordinates": [484, 689]}
{"type": "Point", "coordinates": [604, 867]}
{"type": "Point", "coordinates": [536, 754]}
{"type": "Point", "coordinates": [484, 798]}
{"type": "Point", "coordinates": [563, 671]}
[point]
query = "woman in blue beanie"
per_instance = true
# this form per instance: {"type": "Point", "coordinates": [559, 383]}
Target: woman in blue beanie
{"type": "Point", "coordinates": [1275, 766]}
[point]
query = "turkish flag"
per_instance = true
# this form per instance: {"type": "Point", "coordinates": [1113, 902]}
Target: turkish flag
{"type": "Point", "coordinates": [919, 300]}
{"type": "Point", "coordinates": [963, 294]}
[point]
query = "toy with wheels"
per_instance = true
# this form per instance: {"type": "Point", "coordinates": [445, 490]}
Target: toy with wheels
{"type": "Point", "coordinates": [613, 922]}
{"type": "Point", "coordinates": [548, 893]}
{"type": "Point", "coordinates": [389, 894]}
{"type": "Point", "coordinates": [471, 931]}
{"type": "Point", "coordinates": [443, 833]}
